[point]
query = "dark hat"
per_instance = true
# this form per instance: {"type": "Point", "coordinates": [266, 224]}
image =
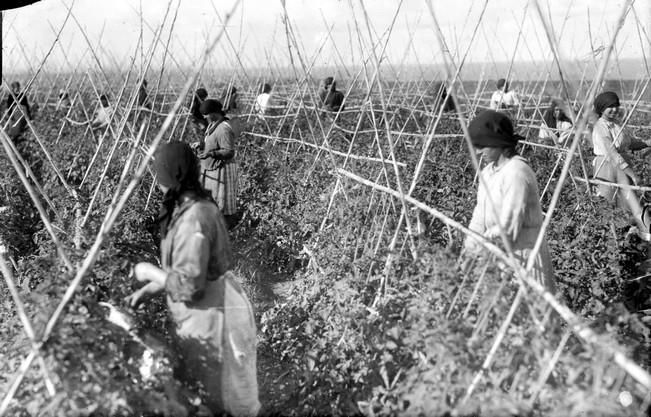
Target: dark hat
{"type": "Point", "coordinates": [201, 93]}
{"type": "Point", "coordinates": [210, 106]}
{"type": "Point", "coordinates": [605, 100]}
{"type": "Point", "coordinates": [492, 129]}
{"type": "Point", "coordinates": [328, 81]}
{"type": "Point", "coordinates": [176, 165]}
{"type": "Point", "coordinates": [501, 83]}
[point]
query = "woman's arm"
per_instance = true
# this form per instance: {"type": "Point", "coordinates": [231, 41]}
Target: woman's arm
{"type": "Point", "coordinates": [226, 142]}
{"type": "Point", "coordinates": [477, 222]}
{"type": "Point", "coordinates": [186, 279]}
{"type": "Point", "coordinates": [603, 140]}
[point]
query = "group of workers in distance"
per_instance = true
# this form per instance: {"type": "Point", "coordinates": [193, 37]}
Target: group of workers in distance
{"type": "Point", "coordinates": [213, 321]}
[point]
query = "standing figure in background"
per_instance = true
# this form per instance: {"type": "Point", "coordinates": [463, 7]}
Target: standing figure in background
{"type": "Point", "coordinates": [230, 99]}
{"type": "Point", "coordinates": [511, 184]}
{"type": "Point", "coordinates": [612, 163]}
{"type": "Point", "coordinates": [503, 98]}
{"type": "Point", "coordinates": [324, 90]}
{"type": "Point", "coordinates": [441, 97]}
{"type": "Point", "coordinates": [103, 113]}
{"type": "Point", "coordinates": [213, 321]}
{"type": "Point", "coordinates": [263, 101]}
{"type": "Point", "coordinates": [218, 164]}
{"type": "Point", "coordinates": [20, 113]}
{"type": "Point", "coordinates": [556, 127]}
{"type": "Point", "coordinates": [143, 99]}
{"type": "Point", "coordinates": [334, 100]}
{"type": "Point", "coordinates": [198, 120]}
{"type": "Point", "coordinates": [63, 100]}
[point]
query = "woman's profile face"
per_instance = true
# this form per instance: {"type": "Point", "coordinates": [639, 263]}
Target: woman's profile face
{"type": "Point", "coordinates": [489, 154]}
{"type": "Point", "coordinates": [163, 188]}
{"type": "Point", "coordinates": [611, 113]}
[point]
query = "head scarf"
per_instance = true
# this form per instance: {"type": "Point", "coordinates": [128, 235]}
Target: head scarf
{"type": "Point", "coordinates": [201, 93]}
{"type": "Point", "coordinates": [492, 129]}
{"type": "Point", "coordinates": [210, 106]}
{"type": "Point", "coordinates": [605, 100]}
{"type": "Point", "coordinates": [502, 83]}
{"type": "Point", "coordinates": [177, 168]}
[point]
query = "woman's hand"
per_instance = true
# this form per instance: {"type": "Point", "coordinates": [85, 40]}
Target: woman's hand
{"type": "Point", "coordinates": [145, 271]}
{"type": "Point", "coordinates": [135, 298]}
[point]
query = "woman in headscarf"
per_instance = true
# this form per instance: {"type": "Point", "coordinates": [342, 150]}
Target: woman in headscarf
{"type": "Point", "coordinates": [214, 325]}
{"type": "Point", "coordinates": [218, 165]}
{"type": "Point", "coordinates": [612, 162]}
{"type": "Point", "coordinates": [230, 99]}
{"type": "Point", "coordinates": [511, 185]}
{"type": "Point", "coordinates": [556, 127]}
{"type": "Point", "coordinates": [198, 120]}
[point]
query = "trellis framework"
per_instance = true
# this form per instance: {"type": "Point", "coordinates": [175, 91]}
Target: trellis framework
{"type": "Point", "coordinates": [382, 100]}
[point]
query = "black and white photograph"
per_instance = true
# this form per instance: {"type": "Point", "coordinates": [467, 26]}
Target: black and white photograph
{"type": "Point", "coordinates": [370, 208]}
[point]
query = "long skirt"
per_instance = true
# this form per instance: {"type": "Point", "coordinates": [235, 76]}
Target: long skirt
{"type": "Point", "coordinates": [216, 338]}
{"type": "Point", "coordinates": [222, 184]}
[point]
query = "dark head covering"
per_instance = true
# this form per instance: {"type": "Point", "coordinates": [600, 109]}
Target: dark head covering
{"type": "Point", "coordinates": [176, 167]}
{"type": "Point", "coordinates": [501, 83]}
{"type": "Point", "coordinates": [328, 81]}
{"type": "Point", "coordinates": [266, 88]}
{"type": "Point", "coordinates": [201, 93]}
{"type": "Point", "coordinates": [492, 129]}
{"type": "Point", "coordinates": [211, 106]}
{"type": "Point", "coordinates": [605, 100]}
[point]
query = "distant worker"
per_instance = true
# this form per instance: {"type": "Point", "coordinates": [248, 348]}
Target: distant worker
{"type": "Point", "coordinates": [440, 94]}
{"type": "Point", "coordinates": [334, 100]}
{"type": "Point", "coordinates": [230, 99]}
{"type": "Point", "coordinates": [324, 90]}
{"type": "Point", "coordinates": [63, 100]}
{"type": "Point", "coordinates": [612, 162]}
{"type": "Point", "coordinates": [143, 99]}
{"type": "Point", "coordinates": [103, 113]}
{"type": "Point", "coordinates": [510, 185]}
{"type": "Point", "coordinates": [19, 115]}
{"type": "Point", "coordinates": [199, 121]}
{"type": "Point", "coordinates": [263, 101]}
{"type": "Point", "coordinates": [503, 98]}
{"type": "Point", "coordinates": [556, 127]}
{"type": "Point", "coordinates": [218, 163]}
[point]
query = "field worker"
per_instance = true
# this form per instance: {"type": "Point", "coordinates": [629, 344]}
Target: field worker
{"type": "Point", "coordinates": [198, 120]}
{"type": "Point", "coordinates": [214, 326]}
{"type": "Point", "coordinates": [218, 165]}
{"type": "Point", "coordinates": [263, 101]}
{"type": "Point", "coordinates": [556, 127]}
{"type": "Point", "coordinates": [325, 89]}
{"type": "Point", "coordinates": [18, 117]}
{"type": "Point", "coordinates": [143, 100]}
{"type": "Point", "coordinates": [63, 100]}
{"type": "Point", "coordinates": [335, 99]}
{"type": "Point", "coordinates": [503, 98]}
{"type": "Point", "coordinates": [230, 99]}
{"type": "Point", "coordinates": [103, 113]}
{"type": "Point", "coordinates": [611, 144]}
{"type": "Point", "coordinates": [513, 189]}
{"type": "Point", "coordinates": [440, 94]}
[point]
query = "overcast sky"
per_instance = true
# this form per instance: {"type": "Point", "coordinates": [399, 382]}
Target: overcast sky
{"type": "Point", "coordinates": [257, 33]}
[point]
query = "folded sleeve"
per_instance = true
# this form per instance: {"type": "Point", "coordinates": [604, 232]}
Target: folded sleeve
{"type": "Point", "coordinates": [186, 277]}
